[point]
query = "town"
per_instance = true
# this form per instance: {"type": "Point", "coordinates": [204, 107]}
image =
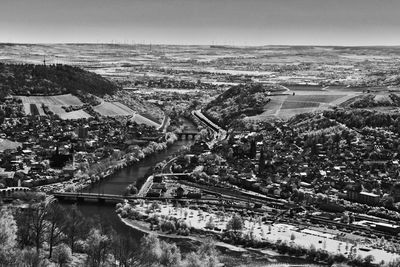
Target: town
{"type": "Point", "coordinates": [264, 167]}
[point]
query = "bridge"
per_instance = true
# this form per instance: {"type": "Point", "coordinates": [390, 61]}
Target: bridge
{"type": "Point", "coordinates": [112, 199]}
{"type": "Point", "coordinates": [187, 134]}
{"type": "Point", "coordinates": [173, 174]}
{"type": "Point", "coordinates": [9, 191]}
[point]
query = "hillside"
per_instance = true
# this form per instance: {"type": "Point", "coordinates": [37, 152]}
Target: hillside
{"type": "Point", "coordinates": [371, 100]}
{"type": "Point", "coordinates": [241, 100]}
{"type": "Point", "coordinates": [29, 79]}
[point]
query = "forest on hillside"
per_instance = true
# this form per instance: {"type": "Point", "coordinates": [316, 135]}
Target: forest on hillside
{"type": "Point", "coordinates": [248, 100]}
{"type": "Point", "coordinates": [30, 79]}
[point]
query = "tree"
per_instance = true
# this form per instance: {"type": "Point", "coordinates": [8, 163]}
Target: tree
{"type": "Point", "coordinates": [154, 252]}
{"type": "Point", "coordinates": [292, 237]}
{"type": "Point", "coordinates": [124, 248]}
{"type": "Point", "coordinates": [171, 255]}
{"type": "Point", "coordinates": [73, 226]}
{"type": "Point", "coordinates": [193, 260]}
{"type": "Point", "coordinates": [8, 237]}
{"type": "Point", "coordinates": [235, 224]}
{"type": "Point", "coordinates": [29, 257]}
{"type": "Point", "coordinates": [97, 248]}
{"type": "Point", "coordinates": [32, 223]}
{"type": "Point", "coordinates": [387, 201]}
{"type": "Point", "coordinates": [39, 213]}
{"type": "Point", "coordinates": [55, 218]}
{"type": "Point", "coordinates": [168, 226]}
{"type": "Point", "coordinates": [209, 252]}
{"type": "Point", "coordinates": [368, 260]}
{"type": "Point", "coordinates": [62, 254]}
{"type": "Point", "coordinates": [206, 256]}
{"type": "Point", "coordinates": [150, 252]}
{"type": "Point", "coordinates": [131, 190]}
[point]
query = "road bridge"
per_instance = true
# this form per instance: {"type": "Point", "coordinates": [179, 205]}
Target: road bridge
{"type": "Point", "coordinates": [187, 135]}
{"type": "Point", "coordinates": [114, 199]}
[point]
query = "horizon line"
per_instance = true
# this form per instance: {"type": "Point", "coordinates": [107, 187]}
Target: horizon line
{"type": "Point", "coordinates": [214, 44]}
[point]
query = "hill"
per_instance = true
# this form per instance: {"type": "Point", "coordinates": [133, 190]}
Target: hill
{"type": "Point", "coordinates": [29, 79]}
{"type": "Point", "coordinates": [371, 100]}
{"type": "Point", "coordinates": [240, 100]}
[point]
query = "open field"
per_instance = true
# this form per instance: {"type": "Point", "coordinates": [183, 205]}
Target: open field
{"type": "Point", "coordinates": [304, 87]}
{"type": "Point", "coordinates": [318, 98]}
{"type": "Point", "coordinates": [33, 109]}
{"type": "Point", "coordinates": [73, 115]}
{"type": "Point", "coordinates": [62, 100]}
{"type": "Point", "coordinates": [287, 106]}
{"type": "Point", "coordinates": [113, 109]}
{"type": "Point", "coordinates": [33, 106]}
{"type": "Point", "coordinates": [143, 120]}
{"type": "Point", "coordinates": [293, 104]}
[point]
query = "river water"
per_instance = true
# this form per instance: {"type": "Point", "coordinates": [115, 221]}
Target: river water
{"type": "Point", "coordinates": [117, 183]}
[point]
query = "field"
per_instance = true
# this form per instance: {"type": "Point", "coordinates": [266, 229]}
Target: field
{"type": "Point", "coordinates": [61, 100]}
{"type": "Point", "coordinates": [304, 87]}
{"type": "Point", "coordinates": [303, 100]}
{"type": "Point", "coordinates": [295, 104]}
{"type": "Point", "coordinates": [143, 120]}
{"type": "Point", "coordinates": [33, 106]}
{"type": "Point", "coordinates": [113, 109]}
{"type": "Point", "coordinates": [77, 114]}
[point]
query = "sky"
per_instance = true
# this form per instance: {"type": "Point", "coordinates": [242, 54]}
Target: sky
{"type": "Point", "coordinates": [225, 22]}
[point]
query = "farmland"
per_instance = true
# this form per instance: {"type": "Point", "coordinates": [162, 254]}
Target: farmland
{"type": "Point", "coordinates": [295, 104]}
{"type": "Point", "coordinates": [61, 100]}
{"type": "Point", "coordinates": [33, 105]}
{"type": "Point", "coordinates": [139, 119]}
{"type": "Point", "coordinates": [76, 114]}
{"type": "Point", "coordinates": [113, 109]}
{"type": "Point", "coordinates": [303, 100]}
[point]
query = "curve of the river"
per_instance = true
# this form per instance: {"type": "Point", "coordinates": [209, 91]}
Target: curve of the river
{"type": "Point", "coordinates": [117, 183]}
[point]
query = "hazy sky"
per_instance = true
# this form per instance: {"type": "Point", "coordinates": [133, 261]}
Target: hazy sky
{"type": "Point", "coordinates": [237, 22]}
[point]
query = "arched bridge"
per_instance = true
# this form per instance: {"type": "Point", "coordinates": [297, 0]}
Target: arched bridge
{"type": "Point", "coordinates": [187, 135]}
{"type": "Point", "coordinates": [9, 191]}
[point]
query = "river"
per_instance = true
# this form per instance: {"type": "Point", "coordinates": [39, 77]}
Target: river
{"type": "Point", "coordinates": [117, 183]}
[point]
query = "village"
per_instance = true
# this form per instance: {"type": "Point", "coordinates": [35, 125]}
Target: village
{"type": "Point", "coordinates": [40, 150]}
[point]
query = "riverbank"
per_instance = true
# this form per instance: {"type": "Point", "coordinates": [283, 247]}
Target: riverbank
{"type": "Point", "coordinates": [144, 228]}
{"type": "Point", "coordinates": [230, 253]}
{"type": "Point", "coordinates": [108, 167]}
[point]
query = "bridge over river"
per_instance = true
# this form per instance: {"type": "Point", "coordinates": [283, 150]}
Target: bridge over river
{"type": "Point", "coordinates": [113, 199]}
